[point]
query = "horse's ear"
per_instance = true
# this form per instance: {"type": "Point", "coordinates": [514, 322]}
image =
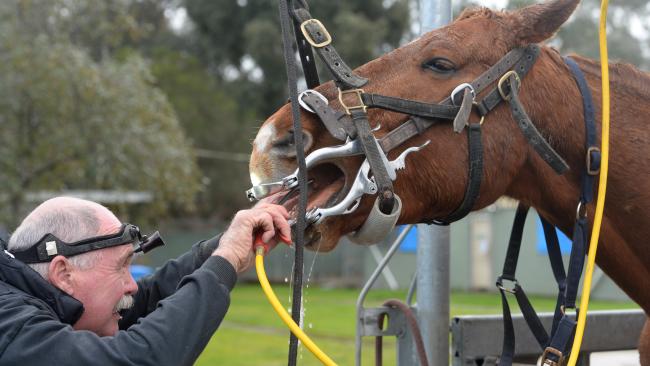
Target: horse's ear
{"type": "Point", "coordinates": [538, 22]}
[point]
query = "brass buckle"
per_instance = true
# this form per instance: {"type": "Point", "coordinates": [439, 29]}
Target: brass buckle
{"type": "Point", "coordinates": [475, 104]}
{"type": "Point", "coordinates": [312, 42]}
{"type": "Point", "coordinates": [505, 78]}
{"type": "Point", "coordinates": [551, 350]}
{"type": "Point", "coordinates": [588, 161]}
{"type": "Point", "coordinates": [356, 92]}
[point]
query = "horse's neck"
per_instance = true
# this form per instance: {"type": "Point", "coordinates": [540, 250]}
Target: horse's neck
{"type": "Point", "coordinates": [559, 116]}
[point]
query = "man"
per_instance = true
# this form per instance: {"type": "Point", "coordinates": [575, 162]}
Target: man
{"type": "Point", "coordinates": [86, 309]}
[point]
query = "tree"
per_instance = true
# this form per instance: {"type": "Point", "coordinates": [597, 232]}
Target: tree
{"type": "Point", "coordinates": [73, 118]}
{"type": "Point", "coordinates": [241, 39]}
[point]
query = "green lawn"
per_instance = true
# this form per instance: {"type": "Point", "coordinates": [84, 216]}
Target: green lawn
{"type": "Point", "coordinates": [253, 335]}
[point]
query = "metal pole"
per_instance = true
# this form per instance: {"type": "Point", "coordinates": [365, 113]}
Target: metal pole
{"type": "Point", "coordinates": [433, 243]}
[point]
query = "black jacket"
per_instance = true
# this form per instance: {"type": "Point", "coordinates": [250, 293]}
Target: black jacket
{"type": "Point", "coordinates": [177, 309]}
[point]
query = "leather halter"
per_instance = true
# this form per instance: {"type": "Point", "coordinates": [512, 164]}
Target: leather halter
{"type": "Point", "coordinates": [353, 123]}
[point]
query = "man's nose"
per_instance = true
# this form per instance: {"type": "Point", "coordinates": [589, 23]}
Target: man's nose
{"type": "Point", "coordinates": [131, 285]}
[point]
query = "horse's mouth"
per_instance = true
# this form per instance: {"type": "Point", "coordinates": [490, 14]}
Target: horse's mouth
{"type": "Point", "coordinates": [328, 185]}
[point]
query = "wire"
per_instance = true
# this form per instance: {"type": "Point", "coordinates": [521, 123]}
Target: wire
{"type": "Point", "coordinates": [275, 303]}
{"type": "Point", "coordinates": [602, 188]}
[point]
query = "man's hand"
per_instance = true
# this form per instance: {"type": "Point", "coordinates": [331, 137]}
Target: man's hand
{"type": "Point", "coordinates": [265, 219]}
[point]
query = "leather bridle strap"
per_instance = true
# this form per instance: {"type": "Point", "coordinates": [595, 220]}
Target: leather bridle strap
{"type": "Point", "coordinates": [319, 38]}
{"type": "Point", "coordinates": [304, 49]}
{"type": "Point", "coordinates": [337, 123]}
{"type": "Point", "coordinates": [535, 139]}
{"type": "Point", "coordinates": [520, 59]}
{"type": "Point", "coordinates": [376, 159]}
{"type": "Point", "coordinates": [411, 107]}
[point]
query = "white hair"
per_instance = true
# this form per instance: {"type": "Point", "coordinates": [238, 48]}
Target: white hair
{"type": "Point", "coordinates": [69, 219]}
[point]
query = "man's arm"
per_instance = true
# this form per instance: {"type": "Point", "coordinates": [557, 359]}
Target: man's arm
{"type": "Point", "coordinates": [236, 248]}
{"type": "Point", "coordinates": [164, 281]}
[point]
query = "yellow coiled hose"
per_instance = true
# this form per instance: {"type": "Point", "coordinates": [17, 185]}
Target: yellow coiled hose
{"type": "Point", "coordinates": [295, 329]}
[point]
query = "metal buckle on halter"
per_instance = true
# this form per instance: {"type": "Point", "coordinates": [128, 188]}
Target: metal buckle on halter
{"type": "Point", "coordinates": [548, 362]}
{"type": "Point", "coordinates": [505, 78]}
{"type": "Point", "coordinates": [359, 105]}
{"type": "Point", "coordinates": [308, 92]}
{"type": "Point", "coordinates": [589, 161]}
{"type": "Point", "coordinates": [312, 42]}
{"type": "Point", "coordinates": [480, 122]}
{"type": "Point", "coordinates": [581, 210]}
{"type": "Point", "coordinates": [501, 287]}
{"type": "Point", "coordinates": [461, 88]}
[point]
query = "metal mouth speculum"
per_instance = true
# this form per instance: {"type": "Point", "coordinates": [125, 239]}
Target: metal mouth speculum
{"type": "Point", "coordinates": [350, 148]}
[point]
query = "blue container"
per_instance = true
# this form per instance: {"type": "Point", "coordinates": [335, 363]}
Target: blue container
{"type": "Point", "coordinates": [138, 271]}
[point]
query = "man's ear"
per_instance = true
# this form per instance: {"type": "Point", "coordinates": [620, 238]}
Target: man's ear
{"type": "Point", "coordinates": [60, 274]}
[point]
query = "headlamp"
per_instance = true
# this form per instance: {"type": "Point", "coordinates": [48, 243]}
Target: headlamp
{"type": "Point", "coordinates": [50, 246]}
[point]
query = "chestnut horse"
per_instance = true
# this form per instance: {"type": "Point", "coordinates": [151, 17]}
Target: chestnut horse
{"type": "Point", "coordinates": [433, 183]}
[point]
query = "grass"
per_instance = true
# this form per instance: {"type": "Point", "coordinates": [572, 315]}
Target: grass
{"type": "Point", "coordinates": [253, 335]}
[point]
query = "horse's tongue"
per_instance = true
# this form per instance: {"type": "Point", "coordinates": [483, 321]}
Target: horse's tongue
{"type": "Point", "coordinates": [321, 198]}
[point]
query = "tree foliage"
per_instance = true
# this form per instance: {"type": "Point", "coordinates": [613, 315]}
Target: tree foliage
{"type": "Point", "coordinates": [73, 118]}
{"type": "Point", "coordinates": [241, 38]}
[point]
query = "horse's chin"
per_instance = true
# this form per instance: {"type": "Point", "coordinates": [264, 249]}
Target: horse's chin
{"type": "Point", "coordinates": [326, 236]}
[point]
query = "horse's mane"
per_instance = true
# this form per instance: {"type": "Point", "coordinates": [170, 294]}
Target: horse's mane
{"type": "Point", "coordinates": [626, 76]}
{"type": "Point", "coordinates": [481, 12]}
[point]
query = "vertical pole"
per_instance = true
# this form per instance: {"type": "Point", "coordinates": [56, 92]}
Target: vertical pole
{"type": "Point", "coordinates": [433, 243]}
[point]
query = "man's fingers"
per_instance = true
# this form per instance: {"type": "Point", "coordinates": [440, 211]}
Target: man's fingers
{"type": "Point", "coordinates": [281, 210]}
{"type": "Point", "coordinates": [283, 228]}
{"type": "Point", "coordinates": [265, 225]}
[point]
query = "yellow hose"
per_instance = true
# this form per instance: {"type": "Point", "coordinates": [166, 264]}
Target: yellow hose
{"type": "Point", "coordinates": [295, 329]}
{"type": "Point", "coordinates": [602, 187]}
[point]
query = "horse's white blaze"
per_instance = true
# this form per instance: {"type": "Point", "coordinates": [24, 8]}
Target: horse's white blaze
{"type": "Point", "coordinates": [265, 136]}
{"type": "Point", "coordinates": [255, 180]}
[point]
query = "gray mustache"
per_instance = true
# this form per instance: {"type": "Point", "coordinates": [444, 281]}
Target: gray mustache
{"type": "Point", "coordinates": [125, 302]}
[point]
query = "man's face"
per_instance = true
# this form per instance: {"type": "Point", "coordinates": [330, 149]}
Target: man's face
{"type": "Point", "coordinates": [101, 287]}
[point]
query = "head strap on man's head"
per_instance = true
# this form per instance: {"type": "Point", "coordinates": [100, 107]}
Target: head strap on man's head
{"type": "Point", "coordinates": [50, 246]}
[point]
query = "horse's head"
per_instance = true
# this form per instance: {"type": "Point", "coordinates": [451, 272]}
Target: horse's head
{"type": "Point", "coordinates": [434, 181]}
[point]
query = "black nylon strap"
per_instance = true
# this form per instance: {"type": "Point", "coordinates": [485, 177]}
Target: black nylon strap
{"type": "Point", "coordinates": [563, 328]}
{"type": "Point", "coordinates": [342, 73]}
{"type": "Point", "coordinates": [530, 315]}
{"type": "Point", "coordinates": [512, 254]}
{"type": "Point", "coordinates": [371, 150]}
{"type": "Point", "coordinates": [508, 349]}
{"type": "Point", "coordinates": [535, 139]}
{"type": "Point", "coordinates": [475, 175]}
{"type": "Point", "coordinates": [593, 158]}
{"type": "Point", "coordinates": [557, 265]}
{"type": "Point", "coordinates": [284, 7]}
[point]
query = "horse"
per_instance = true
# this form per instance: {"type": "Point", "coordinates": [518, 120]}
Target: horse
{"type": "Point", "coordinates": [434, 180]}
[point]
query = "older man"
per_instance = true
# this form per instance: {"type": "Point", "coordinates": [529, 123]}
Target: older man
{"type": "Point", "coordinates": [79, 305]}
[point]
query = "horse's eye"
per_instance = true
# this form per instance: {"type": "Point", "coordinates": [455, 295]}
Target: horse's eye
{"type": "Point", "coordinates": [440, 65]}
